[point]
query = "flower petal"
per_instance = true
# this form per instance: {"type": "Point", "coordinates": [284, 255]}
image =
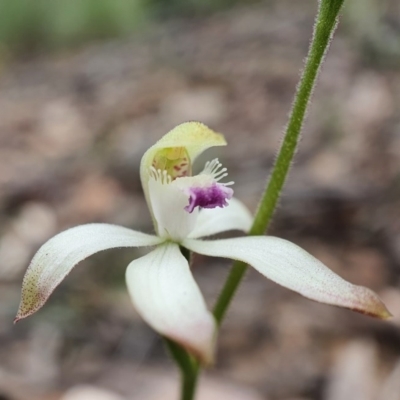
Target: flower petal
{"type": "Point", "coordinates": [56, 258]}
{"type": "Point", "coordinates": [216, 220]}
{"type": "Point", "coordinates": [165, 294]}
{"type": "Point", "coordinates": [195, 137]}
{"type": "Point", "coordinates": [292, 267]}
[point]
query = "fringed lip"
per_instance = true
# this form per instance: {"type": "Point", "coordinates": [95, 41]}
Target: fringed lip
{"type": "Point", "coordinates": [215, 195]}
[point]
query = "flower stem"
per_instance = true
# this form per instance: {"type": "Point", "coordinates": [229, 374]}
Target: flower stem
{"type": "Point", "coordinates": [188, 366]}
{"type": "Point", "coordinates": [189, 369]}
{"type": "Point", "coordinates": [325, 24]}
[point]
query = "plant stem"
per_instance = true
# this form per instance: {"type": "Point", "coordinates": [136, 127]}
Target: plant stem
{"type": "Point", "coordinates": [325, 24]}
{"type": "Point", "coordinates": [189, 384]}
{"type": "Point", "coordinates": [188, 366]}
{"type": "Point", "coordinates": [189, 369]}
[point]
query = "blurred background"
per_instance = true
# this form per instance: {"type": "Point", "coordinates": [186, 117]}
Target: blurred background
{"type": "Point", "coordinates": [87, 86]}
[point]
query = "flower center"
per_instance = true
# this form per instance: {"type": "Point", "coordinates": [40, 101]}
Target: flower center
{"type": "Point", "coordinates": [172, 166]}
{"type": "Point", "coordinates": [176, 202]}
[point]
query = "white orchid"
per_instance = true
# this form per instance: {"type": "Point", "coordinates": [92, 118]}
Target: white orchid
{"type": "Point", "coordinates": [185, 208]}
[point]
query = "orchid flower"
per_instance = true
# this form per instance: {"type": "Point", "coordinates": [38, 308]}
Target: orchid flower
{"type": "Point", "coordinates": [185, 208]}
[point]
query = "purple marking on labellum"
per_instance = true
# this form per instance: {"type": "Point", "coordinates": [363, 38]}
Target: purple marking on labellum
{"type": "Point", "coordinates": [212, 196]}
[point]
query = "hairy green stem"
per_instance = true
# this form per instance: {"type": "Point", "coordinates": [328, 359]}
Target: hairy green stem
{"type": "Point", "coordinates": [325, 24]}
{"type": "Point", "coordinates": [189, 369]}
{"type": "Point", "coordinates": [188, 366]}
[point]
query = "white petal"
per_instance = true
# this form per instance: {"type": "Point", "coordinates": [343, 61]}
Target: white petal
{"type": "Point", "coordinates": [292, 267]}
{"type": "Point", "coordinates": [165, 294]}
{"type": "Point", "coordinates": [216, 220]}
{"type": "Point", "coordinates": [56, 258]}
{"type": "Point", "coordinates": [168, 203]}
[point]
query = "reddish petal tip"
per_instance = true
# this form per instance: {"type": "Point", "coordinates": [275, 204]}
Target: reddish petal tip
{"type": "Point", "coordinates": [371, 304]}
{"type": "Point", "coordinates": [385, 313]}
